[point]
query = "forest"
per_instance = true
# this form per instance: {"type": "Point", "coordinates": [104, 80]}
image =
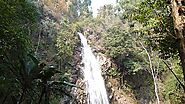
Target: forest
{"type": "Point", "coordinates": [139, 44]}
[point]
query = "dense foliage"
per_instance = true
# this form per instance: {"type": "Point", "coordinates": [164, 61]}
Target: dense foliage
{"type": "Point", "coordinates": [24, 78]}
{"type": "Point", "coordinates": [38, 41]}
{"type": "Point", "coordinates": [156, 31]}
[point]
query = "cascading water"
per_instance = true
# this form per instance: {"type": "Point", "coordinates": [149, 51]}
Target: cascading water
{"type": "Point", "coordinates": [95, 86]}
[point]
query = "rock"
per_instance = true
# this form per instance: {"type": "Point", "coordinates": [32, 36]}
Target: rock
{"type": "Point", "coordinates": [116, 95]}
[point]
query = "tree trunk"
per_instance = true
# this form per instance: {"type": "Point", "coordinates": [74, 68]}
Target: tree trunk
{"type": "Point", "coordinates": [178, 13]}
{"type": "Point", "coordinates": [152, 72]}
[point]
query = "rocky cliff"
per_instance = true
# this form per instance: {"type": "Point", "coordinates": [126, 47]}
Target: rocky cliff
{"type": "Point", "coordinates": [113, 81]}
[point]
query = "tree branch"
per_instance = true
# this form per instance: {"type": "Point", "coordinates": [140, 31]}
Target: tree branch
{"type": "Point", "coordinates": [182, 85]}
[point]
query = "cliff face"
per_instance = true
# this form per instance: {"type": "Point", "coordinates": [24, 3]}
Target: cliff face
{"type": "Point", "coordinates": [115, 92]}
{"type": "Point", "coordinates": [94, 32]}
{"type": "Point", "coordinates": [113, 80]}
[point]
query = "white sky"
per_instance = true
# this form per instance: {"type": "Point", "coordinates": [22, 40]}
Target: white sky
{"type": "Point", "coordinates": [96, 4]}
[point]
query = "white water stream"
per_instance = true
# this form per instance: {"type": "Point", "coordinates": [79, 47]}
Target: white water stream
{"type": "Point", "coordinates": [95, 86]}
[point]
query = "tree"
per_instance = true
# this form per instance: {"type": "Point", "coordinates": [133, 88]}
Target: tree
{"type": "Point", "coordinates": [154, 24]}
{"type": "Point", "coordinates": [23, 77]}
{"type": "Point", "coordinates": [178, 7]}
{"type": "Point", "coordinates": [18, 20]}
{"type": "Point", "coordinates": [156, 18]}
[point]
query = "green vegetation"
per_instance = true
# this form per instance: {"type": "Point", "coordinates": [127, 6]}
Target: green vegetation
{"type": "Point", "coordinates": [24, 78]}
{"type": "Point", "coordinates": [38, 42]}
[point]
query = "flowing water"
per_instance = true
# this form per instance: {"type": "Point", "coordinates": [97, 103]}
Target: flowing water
{"type": "Point", "coordinates": [95, 86]}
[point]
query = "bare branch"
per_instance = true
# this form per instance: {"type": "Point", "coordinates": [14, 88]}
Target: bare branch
{"type": "Point", "coordinates": [152, 72]}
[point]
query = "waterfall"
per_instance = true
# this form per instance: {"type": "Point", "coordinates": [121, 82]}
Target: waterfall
{"type": "Point", "coordinates": [95, 86]}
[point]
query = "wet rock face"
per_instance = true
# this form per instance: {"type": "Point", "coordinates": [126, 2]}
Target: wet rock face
{"type": "Point", "coordinates": [116, 95]}
{"type": "Point", "coordinates": [79, 93]}
{"type": "Point", "coordinates": [77, 78]}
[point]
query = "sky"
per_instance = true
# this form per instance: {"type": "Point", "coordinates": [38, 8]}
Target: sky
{"type": "Point", "coordinates": [96, 4]}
